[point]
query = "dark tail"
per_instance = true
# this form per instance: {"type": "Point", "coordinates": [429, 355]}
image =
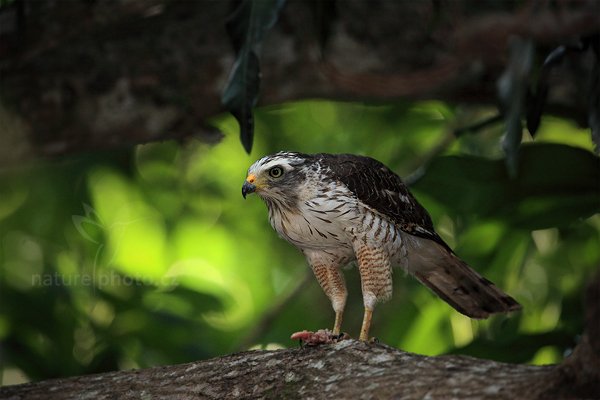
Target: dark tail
{"type": "Point", "coordinates": [464, 289]}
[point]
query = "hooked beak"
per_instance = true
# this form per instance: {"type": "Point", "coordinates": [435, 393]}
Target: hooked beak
{"type": "Point", "coordinates": [249, 185]}
{"type": "Point", "coordinates": [248, 188]}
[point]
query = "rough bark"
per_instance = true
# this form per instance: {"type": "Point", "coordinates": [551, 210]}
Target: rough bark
{"type": "Point", "coordinates": [103, 75]}
{"type": "Point", "coordinates": [345, 370]}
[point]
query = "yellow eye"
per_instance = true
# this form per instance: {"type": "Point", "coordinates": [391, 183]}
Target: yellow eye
{"type": "Point", "coordinates": [276, 172]}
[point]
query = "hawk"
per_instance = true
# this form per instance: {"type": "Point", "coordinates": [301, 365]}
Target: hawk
{"type": "Point", "coordinates": [339, 208]}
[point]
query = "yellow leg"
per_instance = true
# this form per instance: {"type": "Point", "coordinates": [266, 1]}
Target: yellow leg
{"type": "Point", "coordinates": [337, 326]}
{"type": "Point", "coordinates": [332, 281]}
{"type": "Point", "coordinates": [364, 331]}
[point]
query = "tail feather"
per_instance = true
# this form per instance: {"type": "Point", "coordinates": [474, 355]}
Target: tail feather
{"type": "Point", "coordinates": [459, 285]}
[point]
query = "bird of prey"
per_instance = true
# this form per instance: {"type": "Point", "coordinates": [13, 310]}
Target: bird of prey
{"type": "Point", "coordinates": [339, 208]}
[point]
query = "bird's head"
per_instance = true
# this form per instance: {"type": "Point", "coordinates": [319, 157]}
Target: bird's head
{"type": "Point", "coordinates": [277, 177]}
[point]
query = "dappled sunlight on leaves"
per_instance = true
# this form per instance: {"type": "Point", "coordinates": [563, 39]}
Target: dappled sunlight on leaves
{"type": "Point", "coordinates": [136, 231]}
{"type": "Point", "coordinates": [481, 238]}
{"type": "Point", "coordinates": [202, 276]}
{"type": "Point", "coordinates": [160, 260]}
{"type": "Point", "coordinates": [463, 329]}
{"type": "Point", "coordinates": [555, 130]}
{"type": "Point", "coordinates": [547, 355]}
{"type": "Point", "coordinates": [432, 318]}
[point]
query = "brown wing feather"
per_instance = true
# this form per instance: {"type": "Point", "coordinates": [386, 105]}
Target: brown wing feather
{"type": "Point", "coordinates": [435, 265]}
{"type": "Point", "coordinates": [381, 189]}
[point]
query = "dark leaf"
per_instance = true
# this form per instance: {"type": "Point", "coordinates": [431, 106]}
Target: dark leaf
{"type": "Point", "coordinates": [250, 22]}
{"type": "Point", "coordinates": [535, 106]}
{"type": "Point", "coordinates": [537, 100]}
{"type": "Point", "coordinates": [555, 186]}
{"type": "Point", "coordinates": [247, 28]}
{"type": "Point", "coordinates": [241, 94]}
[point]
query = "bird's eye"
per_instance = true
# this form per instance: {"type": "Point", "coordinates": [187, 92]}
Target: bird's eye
{"type": "Point", "coordinates": [276, 172]}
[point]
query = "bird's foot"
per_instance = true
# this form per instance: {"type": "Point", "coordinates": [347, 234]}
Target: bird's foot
{"type": "Point", "coordinates": [322, 336]}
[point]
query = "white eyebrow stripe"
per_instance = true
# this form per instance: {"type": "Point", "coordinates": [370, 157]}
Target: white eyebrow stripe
{"type": "Point", "coordinates": [285, 164]}
{"type": "Point", "coordinates": [284, 159]}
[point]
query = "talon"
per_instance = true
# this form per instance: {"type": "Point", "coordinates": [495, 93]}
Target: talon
{"type": "Point", "coordinates": [322, 336]}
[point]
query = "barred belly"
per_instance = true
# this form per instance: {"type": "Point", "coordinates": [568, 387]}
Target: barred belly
{"type": "Point", "coordinates": [337, 227]}
{"type": "Point", "coordinates": [379, 232]}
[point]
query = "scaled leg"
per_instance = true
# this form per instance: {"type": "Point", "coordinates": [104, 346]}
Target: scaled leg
{"type": "Point", "coordinates": [332, 281]}
{"type": "Point", "coordinates": [376, 281]}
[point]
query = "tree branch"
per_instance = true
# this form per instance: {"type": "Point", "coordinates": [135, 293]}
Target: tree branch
{"type": "Point", "coordinates": [341, 370]}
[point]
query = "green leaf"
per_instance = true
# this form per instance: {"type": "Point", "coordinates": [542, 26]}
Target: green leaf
{"type": "Point", "coordinates": [247, 28]}
{"type": "Point", "coordinates": [555, 186]}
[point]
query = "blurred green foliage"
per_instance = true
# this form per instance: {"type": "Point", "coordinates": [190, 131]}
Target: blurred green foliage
{"type": "Point", "coordinates": [151, 256]}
